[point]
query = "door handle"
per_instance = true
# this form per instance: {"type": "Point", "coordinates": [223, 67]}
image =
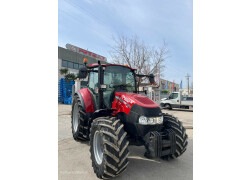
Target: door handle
{"type": "Point", "coordinates": [177, 100]}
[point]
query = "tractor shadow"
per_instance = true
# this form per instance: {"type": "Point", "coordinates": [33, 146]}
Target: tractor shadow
{"type": "Point", "coordinates": [141, 168]}
{"type": "Point", "coordinates": [183, 110]}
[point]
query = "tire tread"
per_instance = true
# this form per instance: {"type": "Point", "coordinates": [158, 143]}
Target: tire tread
{"type": "Point", "coordinates": [171, 122]}
{"type": "Point", "coordinates": [115, 154]}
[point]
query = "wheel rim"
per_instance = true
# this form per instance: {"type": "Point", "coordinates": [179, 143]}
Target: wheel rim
{"type": "Point", "coordinates": [98, 151]}
{"type": "Point", "coordinates": [75, 118]}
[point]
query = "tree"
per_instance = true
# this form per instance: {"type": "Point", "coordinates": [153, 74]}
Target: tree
{"type": "Point", "coordinates": [68, 76]}
{"type": "Point", "coordinates": [135, 53]}
{"type": "Point", "coordinates": [64, 71]}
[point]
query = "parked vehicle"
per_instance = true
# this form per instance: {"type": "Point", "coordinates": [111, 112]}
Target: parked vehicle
{"type": "Point", "coordinates": [111, 114]}
{"type": "Point", "coordinates": [176, 100]}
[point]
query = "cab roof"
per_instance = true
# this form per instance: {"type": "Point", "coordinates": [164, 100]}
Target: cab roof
{"type": "Point", "coordinates": [96, 64]}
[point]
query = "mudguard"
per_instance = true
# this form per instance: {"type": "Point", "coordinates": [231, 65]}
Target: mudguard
{"type": "Point", "coordinates": [87, 100]}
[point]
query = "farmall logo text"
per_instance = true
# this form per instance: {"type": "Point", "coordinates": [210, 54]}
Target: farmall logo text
{"type": "Point", "coordinates": [127, 100]}
{"type": "Point", "coordinates": [85, 52]}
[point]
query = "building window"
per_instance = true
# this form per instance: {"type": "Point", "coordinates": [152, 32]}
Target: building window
{"type": "Point", "coordinates": [70, 65]}
{"type": "Point", "coordinates": [80, 66]}
{"type": "Point", "coordinates": [76, 66]}
{"type": "Point", "coordinates": [64, 63]}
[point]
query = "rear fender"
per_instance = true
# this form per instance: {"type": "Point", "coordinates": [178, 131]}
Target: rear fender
{"type": "Point", "coordinates": [83, 104]}
{"type": "Point", "coordinates": [86, 100]}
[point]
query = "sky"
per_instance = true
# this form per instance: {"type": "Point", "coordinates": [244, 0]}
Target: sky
{"type": "Point", "coordinates": [91, 24]}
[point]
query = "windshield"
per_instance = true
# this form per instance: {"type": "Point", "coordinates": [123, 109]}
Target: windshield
{"type": "Point", "coordinates": [119, 79]}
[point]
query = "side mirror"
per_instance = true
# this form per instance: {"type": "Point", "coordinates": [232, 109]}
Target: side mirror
{"type": "Point", "coordinates": [151, 78]}
{"type": "Point", "coordinates": [83, 72]}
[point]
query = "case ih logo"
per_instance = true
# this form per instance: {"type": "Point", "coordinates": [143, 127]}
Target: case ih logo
{"type": "Point", "coordinates": [85, 52]}
{"type": "Point", "coordinates": [127, 99]}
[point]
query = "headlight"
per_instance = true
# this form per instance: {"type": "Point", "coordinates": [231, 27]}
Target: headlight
{"type": "Point", "coordinates": [150, 120]}
{"type": "Point", "coordinates": [143, 120]}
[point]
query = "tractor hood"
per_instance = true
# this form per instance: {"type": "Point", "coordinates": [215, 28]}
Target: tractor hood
{"type": "Point", "coordinates": [131, 106]}
{"type": "Point", "coordinates": [129, 99]}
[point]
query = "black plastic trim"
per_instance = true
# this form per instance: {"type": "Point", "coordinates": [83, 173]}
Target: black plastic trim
{"type": "Point", "coordinates": [132, 125]}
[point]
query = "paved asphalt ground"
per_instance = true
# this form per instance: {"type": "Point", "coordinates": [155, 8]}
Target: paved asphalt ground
{"type": "Point", "coordinates": [74, 157]}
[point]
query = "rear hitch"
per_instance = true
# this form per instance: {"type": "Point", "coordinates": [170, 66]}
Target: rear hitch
{"type": "Point", "coordinates": [159, 144]}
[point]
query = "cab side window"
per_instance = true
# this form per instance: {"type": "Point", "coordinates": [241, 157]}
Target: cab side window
{"type": "Point", "coordinates": [93, 84]}
{"type": "Point", "coordinates": [93, 81]}
{"type": "Point", "coordinates": [173, 96]}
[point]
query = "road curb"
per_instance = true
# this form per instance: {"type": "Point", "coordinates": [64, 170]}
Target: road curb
{"type": "Point", "coordinates": [188, 127]}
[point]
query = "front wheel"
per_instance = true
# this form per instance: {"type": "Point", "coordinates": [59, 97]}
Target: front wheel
{"type": "Point", "coordinates": [108, 147]}
{"type": "Point", "coordinates": [168, 106]}
{"type": "Point", "coordinates": [171, 122]}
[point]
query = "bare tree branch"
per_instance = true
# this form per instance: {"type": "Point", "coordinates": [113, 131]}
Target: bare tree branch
{"type": "Point", "coordinates": [136, 54]}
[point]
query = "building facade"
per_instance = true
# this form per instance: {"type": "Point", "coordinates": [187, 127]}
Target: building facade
{"type": "Point", "coordinates": [168, 85]}
{"type": "Point", "coordinates": [73, 60]}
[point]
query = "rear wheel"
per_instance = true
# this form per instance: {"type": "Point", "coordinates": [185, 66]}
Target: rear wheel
{"type": "Point", "coordinates": [171, 122]}
{"type": "Point", "coordinates": [108, 147]}
{"type": "Point", "coordinates": [79, 121]}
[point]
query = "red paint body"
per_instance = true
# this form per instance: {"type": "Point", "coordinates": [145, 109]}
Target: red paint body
{"type": "Point", "coordinates": [122, 103]}
{"type": "Point", "coordinates": [126, 100]}
{"type": "Point", "coordinates": [88, 101]}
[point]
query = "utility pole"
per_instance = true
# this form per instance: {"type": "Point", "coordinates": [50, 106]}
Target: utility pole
{"type": "Point", "coordinates": [188, 82]}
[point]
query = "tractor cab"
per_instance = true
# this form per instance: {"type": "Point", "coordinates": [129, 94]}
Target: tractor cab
{"type": "Point", "coordinates": [115, 79]}
{"type": "Point", "coordinates": [104, 80]}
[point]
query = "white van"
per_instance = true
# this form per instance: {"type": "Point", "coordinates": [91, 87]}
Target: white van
{"type": "Point", "coordinates": [176, 100]}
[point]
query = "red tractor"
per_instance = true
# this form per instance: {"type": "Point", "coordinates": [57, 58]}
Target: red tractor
{"type": "Point", "coordinates": [111, 114]}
